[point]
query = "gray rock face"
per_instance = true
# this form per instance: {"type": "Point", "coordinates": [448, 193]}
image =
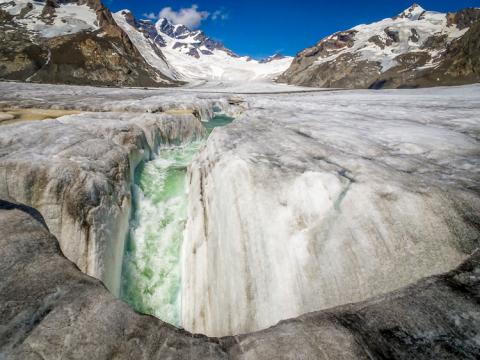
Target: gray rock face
{"type": "Point", "coordinates": [415, 49]}
{"type": "Point", "coordinates": [50, 310]}
{"type": "Point", "coordinates": [46, 43]}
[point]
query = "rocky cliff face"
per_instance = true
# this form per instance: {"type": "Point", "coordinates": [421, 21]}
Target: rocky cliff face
{"type": "Point", "coordinates": [50, 310]}
{"type": "Point", "coordinates": [75, 42]}
{"type": "Point", "coordinates": [414, 49]}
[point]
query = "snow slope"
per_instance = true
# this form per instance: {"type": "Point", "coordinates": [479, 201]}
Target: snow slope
{"type": "Point", "coordinates": [148, 48]}
{"type": "Point", "coordinates": [192, 55]}
{"type": "Point", "coordinates": [68, 18]}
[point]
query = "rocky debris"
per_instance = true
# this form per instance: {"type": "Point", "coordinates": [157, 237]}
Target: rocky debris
{"type": "Point", "coordinates": [194, 53]}
{"type": "Point", "coordinates": [50, 310]}
{"type": "Point", "coordinates": [414, 37]}
{"type": "Point", "coordinates": [6, 117]}
{"type": "Point", "coordinates": [390, 58]}
{"type": "Point", "coordinates": [464, 18]}
{"type": "Point", "coordinates": [48, 12]}
{"type": "Point", "coordinates": [24, 12]}
{"type": "Point", "coordinates": [100, 55]}
{"type": "Point", "coordinates": [414, 12]}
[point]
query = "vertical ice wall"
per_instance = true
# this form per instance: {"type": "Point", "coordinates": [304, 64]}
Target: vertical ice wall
{"type": "Point", "coordinates": [287, 218]}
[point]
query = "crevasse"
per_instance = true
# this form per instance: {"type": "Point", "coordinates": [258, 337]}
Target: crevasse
{"type": "Point", "coordinates": [151, 274]}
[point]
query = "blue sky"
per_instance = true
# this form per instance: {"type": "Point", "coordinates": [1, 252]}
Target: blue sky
{"type": "Point", "coordinates": [260, 28]}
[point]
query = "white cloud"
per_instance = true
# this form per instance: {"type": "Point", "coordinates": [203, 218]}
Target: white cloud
{"type": "Point", "coordinates": [150, 16]}
{"type": "Point", "coordinates": [190, 17]}
{"type": "Point", "coordinates": [219, 15]}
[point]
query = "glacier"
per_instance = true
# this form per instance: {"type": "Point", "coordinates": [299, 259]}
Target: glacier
{"type": "Point", "coordinates": [308, 200]}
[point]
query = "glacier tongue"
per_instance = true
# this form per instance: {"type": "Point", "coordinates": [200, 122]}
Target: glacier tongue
{"type": "Point", "coordinates": [311, 201]}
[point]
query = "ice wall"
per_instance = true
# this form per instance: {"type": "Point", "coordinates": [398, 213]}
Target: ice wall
{"type": "Point", "coordinates": [308, 203]}
{"type": "Point", "coordinates": [78, 170]}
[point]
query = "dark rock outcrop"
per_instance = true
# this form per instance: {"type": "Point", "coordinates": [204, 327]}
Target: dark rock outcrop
{"type": "Point", "coordinates": [50, 310]}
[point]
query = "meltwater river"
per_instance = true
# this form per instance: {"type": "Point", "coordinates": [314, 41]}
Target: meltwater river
{"type": "Point", "coordinates": [151, 274]}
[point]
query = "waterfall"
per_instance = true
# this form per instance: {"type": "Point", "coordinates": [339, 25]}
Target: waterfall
{"type": "Point", "coordinates": [151, 275]}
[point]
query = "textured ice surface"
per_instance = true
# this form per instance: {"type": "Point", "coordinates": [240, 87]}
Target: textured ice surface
{"type": "Point", "coordinates": [310, 200]}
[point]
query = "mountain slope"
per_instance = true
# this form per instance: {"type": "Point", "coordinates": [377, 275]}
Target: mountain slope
{"type": "Point", "coordinates": [415, 48]}
{"type": "Point", "coordinates": [70, 41]}
{"type": "Point", "coordinates": [192, 55]}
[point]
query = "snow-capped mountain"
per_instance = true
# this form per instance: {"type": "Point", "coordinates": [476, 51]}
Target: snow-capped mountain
{"type": "Point", "coordinates": [81, 42]}
{"type": "Point", "coordinates": [70, 41]}
{"type": "Point", "coordinates": [191, 54]}
{"type": "Point", "coordinates": [415, 48]}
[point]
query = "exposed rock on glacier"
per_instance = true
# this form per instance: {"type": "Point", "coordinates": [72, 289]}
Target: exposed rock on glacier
{"type": "Point", "coordinates": [417, 48]}
{"type": "Point", "coordinates": [314, 200]}
{"type": "Point", "coordinates": [50, 310]}
{"type": "Point", "coordinates": [77, 171]}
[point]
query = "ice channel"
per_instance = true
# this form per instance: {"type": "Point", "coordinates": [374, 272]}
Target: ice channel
{"type": "Point", "coordinates": [151, 274]}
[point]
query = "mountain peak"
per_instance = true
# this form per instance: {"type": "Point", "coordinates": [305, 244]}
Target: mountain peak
{"type": "Point", "coordinates": [413, 12]}
{"type": "Point", "coordinates": [276, 56]}
{"type": "Point", "coordinates": [172, 30]}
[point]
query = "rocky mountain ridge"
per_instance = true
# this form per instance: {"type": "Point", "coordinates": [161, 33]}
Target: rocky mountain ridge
{"type": "Point", "coordinates": [74, 41]}
{"type": "Point", "coordinates": [192, 55]}
{"type": "Point", "coordinates": [417, 48]}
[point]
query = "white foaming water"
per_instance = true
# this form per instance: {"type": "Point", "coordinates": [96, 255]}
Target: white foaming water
{"type": "Point", "coordinates": [151, 275]}
{"type": "Point", "coordinates": [151, 272]}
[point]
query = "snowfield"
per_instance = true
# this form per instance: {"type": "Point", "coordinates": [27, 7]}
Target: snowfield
{"type": "Point", "coordinates": [308, 200]}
